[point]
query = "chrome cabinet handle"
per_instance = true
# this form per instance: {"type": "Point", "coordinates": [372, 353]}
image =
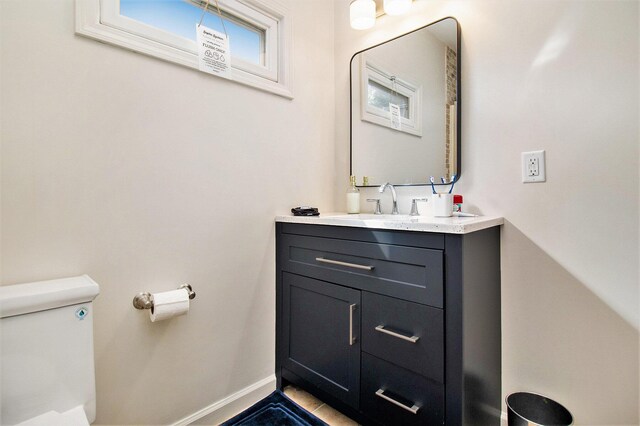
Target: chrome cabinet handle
{"type": "Point", "coordinates": [412, 410]}
{"type": "Point", "coordinates": [352, 339]}
{"type": "Point", "coordinates": [349, 265]}
{"type": "Point", "coordinates": [411, 339]}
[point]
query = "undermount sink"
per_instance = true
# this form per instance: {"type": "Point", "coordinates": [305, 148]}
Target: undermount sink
{"type": "Point", "coordinates": [377, 217]}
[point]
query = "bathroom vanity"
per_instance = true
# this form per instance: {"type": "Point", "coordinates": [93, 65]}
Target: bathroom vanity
{"type": "Point", "coordinates": [392, 320]}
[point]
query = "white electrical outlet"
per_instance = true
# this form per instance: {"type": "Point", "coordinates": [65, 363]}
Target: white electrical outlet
{"type": "Point", "coordinates": [533, 167]}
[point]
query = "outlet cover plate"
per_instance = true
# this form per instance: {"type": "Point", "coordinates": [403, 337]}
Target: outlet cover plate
{"type": "Point", "coordinates": [533, 167]}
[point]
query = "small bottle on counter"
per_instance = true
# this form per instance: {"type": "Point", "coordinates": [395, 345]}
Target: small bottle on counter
{"type": "Point", "coordinates": [457, 203]}
{"type": "Point", "coordinates": [353, 197]}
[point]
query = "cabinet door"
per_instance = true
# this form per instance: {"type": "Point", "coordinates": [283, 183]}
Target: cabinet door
{"type": "Point", "coordinates": [321, 341]}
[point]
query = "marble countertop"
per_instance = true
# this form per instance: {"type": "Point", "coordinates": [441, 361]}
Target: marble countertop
{"type": "Point", "coordinates": [447, 225]}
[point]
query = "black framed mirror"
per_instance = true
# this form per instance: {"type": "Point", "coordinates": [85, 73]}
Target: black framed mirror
{"type": "Point", "coordinates": [405, 107]}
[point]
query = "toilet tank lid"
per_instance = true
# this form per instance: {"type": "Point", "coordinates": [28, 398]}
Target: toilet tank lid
{"type": "Point", "coordinates": [21, 299]}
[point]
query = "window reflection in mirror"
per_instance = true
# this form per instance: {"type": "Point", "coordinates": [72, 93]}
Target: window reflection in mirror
{"type": "Point", "coordinates": [379, 96]}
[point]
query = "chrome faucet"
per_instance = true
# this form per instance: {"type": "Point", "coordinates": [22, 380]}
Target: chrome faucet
{"type": "Point", "coordinates": [393, 195]}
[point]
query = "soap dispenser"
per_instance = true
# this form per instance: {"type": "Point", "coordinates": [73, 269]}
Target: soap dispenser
{"type": "Point", "coordinates": [353, 197]}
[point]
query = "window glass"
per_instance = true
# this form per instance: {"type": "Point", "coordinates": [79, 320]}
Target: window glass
{"type": "Point", "coordinates": [381, 96]}
{"type": "Point", "coordinates": [180, 17]}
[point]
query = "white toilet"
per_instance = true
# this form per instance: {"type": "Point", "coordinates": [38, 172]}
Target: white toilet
{"type": "Point", "coordinates": [47, 374]}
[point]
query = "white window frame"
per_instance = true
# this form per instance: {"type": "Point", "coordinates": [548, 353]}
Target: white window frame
{"type": "Point", "coordinates": [101, 20]}
{"type": "Point", "coordinates": [373, 114]}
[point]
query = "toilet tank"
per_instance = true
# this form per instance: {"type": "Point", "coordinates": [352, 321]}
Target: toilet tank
{"type": "Point", "coordinates": [46, 348]}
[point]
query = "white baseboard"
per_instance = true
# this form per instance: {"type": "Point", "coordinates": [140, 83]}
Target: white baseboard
{"type": "Point", "coordinates": [233, 404]}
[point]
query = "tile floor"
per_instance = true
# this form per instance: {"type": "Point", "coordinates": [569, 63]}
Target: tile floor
{"type": "Point", "coordinates": [317, 407]}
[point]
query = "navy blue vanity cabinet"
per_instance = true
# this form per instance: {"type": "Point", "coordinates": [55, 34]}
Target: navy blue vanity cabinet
{"type": "Point", "coordinates": [320, 338]}
{"type": "Point", "coordinates": [391, 327]}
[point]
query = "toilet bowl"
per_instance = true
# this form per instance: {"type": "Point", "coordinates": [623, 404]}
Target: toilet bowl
{"type": "Point", "coordinates": [47, 374]}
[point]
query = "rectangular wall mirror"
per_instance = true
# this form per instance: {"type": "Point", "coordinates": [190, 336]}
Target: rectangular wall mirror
{"type": "Point", "coordinates": [405, 107]}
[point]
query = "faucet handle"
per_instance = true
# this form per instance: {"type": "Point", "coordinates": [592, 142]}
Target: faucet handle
{"type": "Point", "coordinates": [414, 206]}
{"type": "Point", "coordinates": [377, 201]}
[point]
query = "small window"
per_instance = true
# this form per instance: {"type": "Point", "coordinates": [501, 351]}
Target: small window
{"type": "Point", "coordinates": [178, 17]}
{"type": "Point", "coordinates": [258, 30]}
{"type": "Point", "coordinates": [380, 88]}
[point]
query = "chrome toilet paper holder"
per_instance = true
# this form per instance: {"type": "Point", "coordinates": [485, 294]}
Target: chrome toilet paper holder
{"type": "Point", "coordinates": [145, 300]}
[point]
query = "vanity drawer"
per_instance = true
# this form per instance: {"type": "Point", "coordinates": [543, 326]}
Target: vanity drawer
{"type": "Point", "coordinates": [404, 333]}
{"type": "Point", "coordinates": [408, 273]}
{"type": "Point", "coordinates": [395, 396]}
{"type": "Point", "coordinates": [427, 240]}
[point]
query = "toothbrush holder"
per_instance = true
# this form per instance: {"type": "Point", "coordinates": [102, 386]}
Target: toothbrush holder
{"type": "Point", "coordinates": [442, 205]}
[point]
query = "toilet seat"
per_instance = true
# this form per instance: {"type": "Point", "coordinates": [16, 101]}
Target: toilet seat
{"type": "Point", "coordinates": [74, 417]}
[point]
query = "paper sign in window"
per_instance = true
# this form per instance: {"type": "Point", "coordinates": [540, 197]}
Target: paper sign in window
{"type": "Point", "coordinates": [214, 55]}
{"type": "Point", "coordinates": [394, 110]}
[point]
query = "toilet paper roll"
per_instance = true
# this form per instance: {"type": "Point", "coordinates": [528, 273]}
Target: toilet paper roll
{"type": "Point", "coordinates": [169, 304]}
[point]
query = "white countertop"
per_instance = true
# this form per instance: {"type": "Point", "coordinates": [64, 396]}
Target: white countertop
{"type": "Point", "coordinates": [447, 225]}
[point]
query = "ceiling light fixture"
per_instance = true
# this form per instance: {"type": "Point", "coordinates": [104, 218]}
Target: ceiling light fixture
{"type": "Point", "coordinates": [363, 14]}
{"type": "Point", "coordinates": [396, 7]}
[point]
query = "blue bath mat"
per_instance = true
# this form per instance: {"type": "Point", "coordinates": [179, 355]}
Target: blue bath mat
{"type": "Point", "coordinates": [276, 409]}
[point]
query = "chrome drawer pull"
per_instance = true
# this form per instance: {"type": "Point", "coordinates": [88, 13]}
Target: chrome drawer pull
{"type": "Point", "coordinates": [412, 410]}
{"type": "Point", "coordinates": [349, 265]}
{"type": "Point", "coordinates": [352, 339]}
{"type": "Point", "coordinates": [411, 339]}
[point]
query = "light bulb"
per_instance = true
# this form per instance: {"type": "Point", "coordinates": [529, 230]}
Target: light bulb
{"type": "Point", "coordinates": [396, 7]}
{"type": "Point", "coordinates": [362, 14]}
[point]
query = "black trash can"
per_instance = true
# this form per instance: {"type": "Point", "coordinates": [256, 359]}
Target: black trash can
{"type": "Point", "coordinates": [525, 408]}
